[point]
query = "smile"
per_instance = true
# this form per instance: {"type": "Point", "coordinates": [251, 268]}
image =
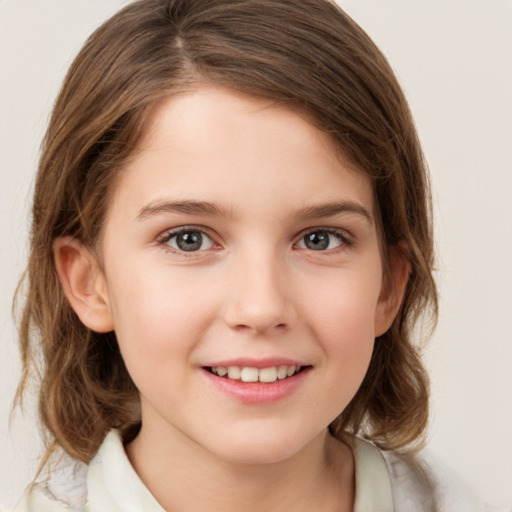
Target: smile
{"type": "Point", "coordinates": [257, 382]}
{"type": "Point", "coordinates": [251, 374]}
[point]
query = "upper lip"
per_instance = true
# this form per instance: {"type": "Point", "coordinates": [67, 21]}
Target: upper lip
{"type": "Point", "coordinates": [245, 362]}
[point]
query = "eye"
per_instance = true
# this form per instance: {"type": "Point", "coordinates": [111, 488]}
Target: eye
{"type": "Point", "coordinates": [188, 240]}
{"type": "Point", "coordinates": [322, 240]}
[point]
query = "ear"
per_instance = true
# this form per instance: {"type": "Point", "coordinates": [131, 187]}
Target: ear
{"type": "Point", "coordinates": [84, 283]}
{"type": "Point", "coordinates": [393, 289]}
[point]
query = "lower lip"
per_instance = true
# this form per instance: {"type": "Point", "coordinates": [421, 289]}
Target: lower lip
{"type": "Point", "coordinates": [256, 392]}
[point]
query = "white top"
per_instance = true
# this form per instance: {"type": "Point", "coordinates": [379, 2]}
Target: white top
{"type": "Point", "coordinates": [384, 483]}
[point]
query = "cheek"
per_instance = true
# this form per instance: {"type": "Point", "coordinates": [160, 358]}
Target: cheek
{"type": "Point", "coordinates": [345, 302]}
{"type": "Point", "coordinates": [342, 312]}
{"type": "Point", "coordinates": [156, 313]}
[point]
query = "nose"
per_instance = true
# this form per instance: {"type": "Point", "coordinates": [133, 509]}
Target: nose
{"type": "Point", "coordinates": [259, 297]}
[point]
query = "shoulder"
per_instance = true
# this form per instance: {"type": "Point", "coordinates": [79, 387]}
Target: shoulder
{"type": "Point", "coordinates": [408, 483]}
{"type": "Point", "coordinates": [64, 491]}
{"type": "Point", "coordinates": [108, 483]}
{"type": "Point", "coordinates": [423, 483]}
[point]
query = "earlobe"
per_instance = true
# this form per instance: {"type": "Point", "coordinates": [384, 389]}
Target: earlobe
{"type": "Point", "coordinates": [392, 292]}
{"type": "Point", "coordinates": [83, 283]}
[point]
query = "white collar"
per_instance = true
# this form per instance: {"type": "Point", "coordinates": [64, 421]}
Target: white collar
{"type": "Point", "coordinates": [114, 485]}
{"type": "Point", "coordinates": [373, 485]}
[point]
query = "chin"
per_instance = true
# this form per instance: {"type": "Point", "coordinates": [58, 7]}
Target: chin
{"type": "Point", "coordinates": [261, 449]}
{"type": "Point", "coordinates": [250, 457]}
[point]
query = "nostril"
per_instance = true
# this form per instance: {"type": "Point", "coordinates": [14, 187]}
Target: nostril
{"type": "Point", "coordinates": [260, 327]}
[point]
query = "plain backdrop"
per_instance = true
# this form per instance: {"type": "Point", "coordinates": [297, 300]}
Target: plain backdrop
{"type": "Point", "coordinates": [454, 60]}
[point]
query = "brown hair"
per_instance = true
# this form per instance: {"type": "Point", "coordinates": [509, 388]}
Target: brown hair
{"type": "Point", "coordinates": [307, 54]}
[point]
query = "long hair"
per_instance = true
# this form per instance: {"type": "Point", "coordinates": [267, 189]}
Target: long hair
{"type": "Point", "coordinates": [307, 55]}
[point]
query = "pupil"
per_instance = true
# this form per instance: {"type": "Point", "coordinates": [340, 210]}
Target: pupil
{"type": "Point", "coordinates": [317, 241]}
{"type": "Point", "coordinates": [189, 241]}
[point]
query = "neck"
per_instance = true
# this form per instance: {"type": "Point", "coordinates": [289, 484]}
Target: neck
{"type": "Point", "coordinates": [182, 476]}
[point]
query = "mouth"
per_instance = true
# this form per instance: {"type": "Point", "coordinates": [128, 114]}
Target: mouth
{"type": "Point", "coordinates": [257, 382]}
{"type": "Point", "coordinates": [250, 374]}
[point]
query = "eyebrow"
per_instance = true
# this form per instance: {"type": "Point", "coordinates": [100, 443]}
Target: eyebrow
{"type": "Point", "coordinates": [204, 208]}
{"type": "Point", "coordinates": [186, 207]}
{"type": "Point", "coordinates": [332, 209]}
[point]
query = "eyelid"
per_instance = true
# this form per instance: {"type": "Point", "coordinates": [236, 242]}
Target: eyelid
{"type": "Point", "coordinates": [343, 234]}
{"type": "Point", "coordinates": [164, 237]}
{"type": "Point", "coordinates": [168, 234]}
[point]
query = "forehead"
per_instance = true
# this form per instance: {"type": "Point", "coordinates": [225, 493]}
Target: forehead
{"type": "Point", "coordinates": [221, 146]}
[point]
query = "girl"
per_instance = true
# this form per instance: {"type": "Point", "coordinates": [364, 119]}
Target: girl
{"type": "Point", "coordinates": [231, 245]}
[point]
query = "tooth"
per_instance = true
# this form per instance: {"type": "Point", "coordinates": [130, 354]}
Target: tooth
{"type": "Point", "coordinates": [268, 374]}
{"type": "Point", "coordinates": [281, 372]}
{"type": "Point", "coordinates": [249, 374]}
{"type": "Point", "coordinates": [234, 372]}
{"type": "Point", "coordinates": [290, 371]}
{"type": "Point", "coordinates": [221, 371]}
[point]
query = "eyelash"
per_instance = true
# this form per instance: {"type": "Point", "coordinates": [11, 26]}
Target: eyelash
{"type": "Point", "coordinates": [169, 235]}
{"type": "Point", "coordinates": [341, 235]}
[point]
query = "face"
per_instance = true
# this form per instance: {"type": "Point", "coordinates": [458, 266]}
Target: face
{"type": "Point", "coordinates": [242, 275]}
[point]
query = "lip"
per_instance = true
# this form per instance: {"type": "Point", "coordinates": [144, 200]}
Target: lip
{"type": "Point", "coordinates": [256, 392]}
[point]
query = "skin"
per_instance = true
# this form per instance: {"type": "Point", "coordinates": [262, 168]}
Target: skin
{"type": "Point", "coordinates": [254, 289]}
